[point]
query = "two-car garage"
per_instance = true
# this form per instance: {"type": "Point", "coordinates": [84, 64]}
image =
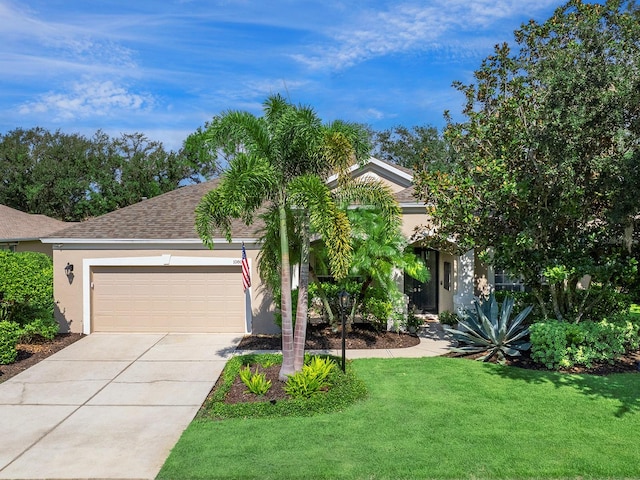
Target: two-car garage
{"type": "Point", "coordinates": [155, 297]}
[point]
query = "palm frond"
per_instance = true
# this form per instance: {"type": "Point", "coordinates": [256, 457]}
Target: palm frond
{"type": "Point", "coordinates": [371, 193]}
{"type": "Point", "coordinates": [311, 194]}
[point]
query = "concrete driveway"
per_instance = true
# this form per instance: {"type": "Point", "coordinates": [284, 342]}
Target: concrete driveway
{"type": "Point", "coordinates": [107, 406]}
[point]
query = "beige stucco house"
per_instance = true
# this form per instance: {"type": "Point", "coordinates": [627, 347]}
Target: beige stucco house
{"type": "Point", "coordinates": [144, 269]}
{"type": "Point", "coordinates": [21, 232]}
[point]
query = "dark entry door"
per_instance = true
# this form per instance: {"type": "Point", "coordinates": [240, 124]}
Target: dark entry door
{"type": "Point", "coordinates": [424, 295]}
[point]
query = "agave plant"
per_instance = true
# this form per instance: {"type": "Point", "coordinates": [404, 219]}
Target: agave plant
{"type": "Point", "coordinates": [489, 328]}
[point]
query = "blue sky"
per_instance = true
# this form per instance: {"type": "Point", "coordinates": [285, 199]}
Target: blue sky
{"type": "Point", "coordinates": [164, 67]}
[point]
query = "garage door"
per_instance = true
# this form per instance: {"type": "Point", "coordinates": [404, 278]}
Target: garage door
{"type": "Point", "coordinates": [167, 299]}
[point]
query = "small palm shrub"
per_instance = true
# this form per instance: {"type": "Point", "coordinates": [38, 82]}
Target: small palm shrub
{"type": "Point", "coordinates": [312, 379]}
{"type": "Point", "coordinates": [256, 382]}
{"type": "Point", "coordinates": [489, 328]}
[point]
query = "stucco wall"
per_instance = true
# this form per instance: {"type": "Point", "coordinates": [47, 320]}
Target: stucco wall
{"type": "Point", "coordinates": [34, 246]}
{"type": "Point", "coordinates": [412, 218]}
{"type": "Point", "coordinates": [445, 297]}
{"type": "Point", "coordinates": [68, 290]}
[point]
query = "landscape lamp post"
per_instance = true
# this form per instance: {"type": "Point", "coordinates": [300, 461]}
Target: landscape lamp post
{"type": "Point", "coordinates": [343, 301]}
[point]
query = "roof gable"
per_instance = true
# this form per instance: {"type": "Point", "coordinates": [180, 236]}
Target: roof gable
{"type": "Point", "coordinates": [396, 177]}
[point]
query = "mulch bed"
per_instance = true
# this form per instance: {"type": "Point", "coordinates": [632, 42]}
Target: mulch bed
{"type": "Point", "coordinates": [239, 394]}
{"type": "Point", "coordinates": [321, 337]}
{"type": "Point", "coordinates": [31, 353]}
{"type": "Point", "coordinates": [626, 364]}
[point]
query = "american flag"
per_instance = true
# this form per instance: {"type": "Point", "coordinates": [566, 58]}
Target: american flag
{"type": "Point", "coordinates": [246, 275]}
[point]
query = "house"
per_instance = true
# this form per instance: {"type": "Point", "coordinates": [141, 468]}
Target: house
{"type": "Point", "coordinates": [21, 232]}
{"type": "Point", "coordinates": [143, 268]}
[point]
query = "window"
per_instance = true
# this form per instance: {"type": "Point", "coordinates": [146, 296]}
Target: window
{"type": "Point", "coordinates": [447, 276]}
{"type": "Point", "coordinates": [8, 246]}
{"type": "Point", "coordinates": [505, 282]}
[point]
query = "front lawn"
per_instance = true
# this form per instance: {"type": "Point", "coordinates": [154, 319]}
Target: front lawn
{"type": "Point", "coordinates": [434, 418]}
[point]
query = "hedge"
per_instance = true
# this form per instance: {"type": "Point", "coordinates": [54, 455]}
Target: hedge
{"type": "Point", "coordinates": [26, 286]}
{"type": "Point", "coordinates": [562, 345]}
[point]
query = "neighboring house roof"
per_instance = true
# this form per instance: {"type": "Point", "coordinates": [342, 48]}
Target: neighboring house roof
{"type": "Point", "coordinates": [170, 216]}
{"type": "Point", "coordinates": [18, 226]}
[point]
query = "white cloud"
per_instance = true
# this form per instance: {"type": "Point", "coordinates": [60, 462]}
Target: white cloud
{"type": "Point", "coordinates": [412, 26]}
{"type": "Point", "coordinates": [92, 98]}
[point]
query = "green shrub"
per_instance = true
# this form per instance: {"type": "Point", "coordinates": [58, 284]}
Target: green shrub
{"type": "Point", "coordinates": [563, 345]}
{"type": "Point", "coordinates": [312, 379]}
{"type": "Point", "coordinates": [378, 312]}
{"type": "Point", "coordinates": [9, 334]}
{"type": "Point", "coordinates": [256, 382]}
{"type": "Point", "coordinates": [46, 328]}
{"type": "Point", "coordinates": [26, 280]}
{"type": "Point", "coordinates": [7, 308]}
{"type": "Point", "coordinates": [612, 302]}
{"type": "Point", "coordinates": [522, 300]}
{"type": "Point", "coordinates": [448, 318]}
{"type": "Point", "coordinates": [490, 328]}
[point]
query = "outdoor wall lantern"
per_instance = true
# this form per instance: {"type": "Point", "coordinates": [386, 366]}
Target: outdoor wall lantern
{"type": "Point", "coordinates": [68, 270]}
{"type": "Point", "coordinates": [343, 301]}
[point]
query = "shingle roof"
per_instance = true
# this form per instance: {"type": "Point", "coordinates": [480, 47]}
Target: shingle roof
{"type": "Point", "coordinates": [407, 196]}
{"type": "Point", "coordinates": [170, 216]}
{"type": "Point", "coordinates": [16, 225]}
{"type": "Point", "coordinates": [399, 167]}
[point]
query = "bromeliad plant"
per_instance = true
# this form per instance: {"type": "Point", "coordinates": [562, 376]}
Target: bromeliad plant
{"type": "Point", "coordinates": [489, 328]}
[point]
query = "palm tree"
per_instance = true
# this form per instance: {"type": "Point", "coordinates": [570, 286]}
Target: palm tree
{"type": "Point", "coordinates": [379, 249]}
{"type": "Point", "coordinates": [270, 158]}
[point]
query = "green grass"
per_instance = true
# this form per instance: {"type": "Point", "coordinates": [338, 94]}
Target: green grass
{"type": "Point", "coordinates": [434, 418]}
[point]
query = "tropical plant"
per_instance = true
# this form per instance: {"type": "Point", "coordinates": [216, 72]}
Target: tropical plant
{"type": "Point", "coordinates": [256, 382]}
{"type": "Point", "coordinates": [489, 328]}
{"type": "Point", "coordinates": [312, 379]}
{"type": "Point", "coordinates": [379, 250]}
{"type": "Point", "coordinates": [279, 160]}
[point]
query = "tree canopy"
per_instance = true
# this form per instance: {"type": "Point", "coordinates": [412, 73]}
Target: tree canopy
{"type": "Point", "coordinates": [416, 148]}
{"type": "Point", "coordinates": [547, 161]}
{"type": "Point", "coordinates": [71, 177]}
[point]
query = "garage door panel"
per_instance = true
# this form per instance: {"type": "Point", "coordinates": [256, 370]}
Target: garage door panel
{"type": "Point", "coordinates": [168, 299]}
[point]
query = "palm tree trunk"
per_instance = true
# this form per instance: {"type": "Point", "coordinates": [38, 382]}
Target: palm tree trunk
{"type": "Point", "coordinates": [300, 334]}
{"type": "Point", "coordinates": [285, 303]}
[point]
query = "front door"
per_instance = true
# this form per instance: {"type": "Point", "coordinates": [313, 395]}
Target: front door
{"type": "Point", "coordinates": [423, 296]}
